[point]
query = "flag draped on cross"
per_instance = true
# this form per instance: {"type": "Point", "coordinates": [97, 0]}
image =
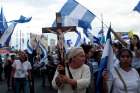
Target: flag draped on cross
{"type": "Point", "coordinates": [3, 23]}
{"type": "Point", "coordinates": [6, 36]}
{"type": "Point", "coordinates": [137, 7]}
{"type": "Point", "coordinates": [106, 61]}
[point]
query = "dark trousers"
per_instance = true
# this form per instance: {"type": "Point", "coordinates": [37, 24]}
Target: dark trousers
{"type": "Point", "coordinates": [21, 84]}
{"type": "Point", "coordinates": [50, 74]}
{"type": "Point", "coordinates": [31, 83]}
{"type": "Point", "coordinates": [1, 70]}
{"type": "Point", "coordinates": [43, 75]}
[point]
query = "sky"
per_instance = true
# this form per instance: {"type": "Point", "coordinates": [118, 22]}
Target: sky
{"type": "Point", "coordinates": [117, 12]}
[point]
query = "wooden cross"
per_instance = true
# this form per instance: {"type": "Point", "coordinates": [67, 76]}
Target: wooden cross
{"type": "Point", "coordinates": [59, 30]}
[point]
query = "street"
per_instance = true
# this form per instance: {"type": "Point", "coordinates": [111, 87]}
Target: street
{"type": "Point", "coordinates": [38, 87]}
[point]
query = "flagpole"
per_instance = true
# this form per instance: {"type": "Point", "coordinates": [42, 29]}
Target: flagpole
{"type": "Point", "coordinates": [102, 22]}
{"type": "Point", "coordinates": [102, 41]}
{"type": "Point", "coordinates": [20, 39]}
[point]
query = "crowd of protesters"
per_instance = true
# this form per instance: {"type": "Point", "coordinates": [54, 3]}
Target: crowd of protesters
{"type": "Point", "coordinates": [125, 74]}
{"type": "Point", "coordinates": [81, 69]}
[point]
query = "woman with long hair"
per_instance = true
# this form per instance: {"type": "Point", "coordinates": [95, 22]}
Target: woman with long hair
{"type": "Point", "coordinates": [125, 78]}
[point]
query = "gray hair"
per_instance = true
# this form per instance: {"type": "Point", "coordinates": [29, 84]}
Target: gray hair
{"type": "Point", "coordinates": [74, 52]}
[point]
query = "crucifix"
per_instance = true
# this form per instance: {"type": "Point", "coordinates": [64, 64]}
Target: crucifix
{"type": "Point", "coordinates": [59, 30]}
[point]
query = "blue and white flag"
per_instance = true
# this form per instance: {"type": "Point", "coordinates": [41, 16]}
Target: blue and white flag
{"type": "Point", "coordinates": [68, 43]}
{"type": "Point", "coordinates": [96, 40]}
{"type": "Point", "coordinates": [3, 23]}
{"type": "Point", "coordinates": [69, 21]}
{"type": "Point", "coordinates": [106, 62]}
{"type": "Point", "coordinates": [29, 47]}
{"type": "Point", "coordinates": [101, 37]}
{"type": "Point", "coordinates": [84, 40]}
{"type": "Point", "coordinates": [6, 36]}
{"type": "Point", "coordinates": [43, 52]}
{"type": "Point", "coordinates": [74, 14]}
{"type": "Point", "coordinates": [137, 7]}
{"type": "Point", "coordinates": [75, 10]}
{"type": "Point", "coordinates": [125, 36]}
{"type": "Point", "coordinates": [78, 40]}
{"type": "Point", "coordinates": [23, 19]}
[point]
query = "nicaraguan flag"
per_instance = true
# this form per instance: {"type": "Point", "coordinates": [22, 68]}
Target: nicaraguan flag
{"type": "Point", "coordinates": [29, 47]}
{"type": "Point", "coordinates": [69, 21]}
{"type": "Point", "coordinates": [106, 62]}
{"type": "Point", "coordinates": [23, 19]}
{"type": "Point", "coordinates": [75, 14]}
{"type": "Point", "coordinates": [101, 37]}
{"type": "Point", "coordinates": [3, 23]}
{"type": "Point", "coordinates": [73, 43]}
{"type": "Point", "coordinates": [137, 7]}
{"type": "Point", "coordinates": [68, 43]}
{"type": "Point", "coordinates": [125, 36]}
{"type": "Point", "coordinates": [44, 53]}
{"type": "Point", "coordinates": [6, 36]}
{"type": "Point", "coordinates": [78, 40]}
{"type": "Point", "coordinates": [96, 40]}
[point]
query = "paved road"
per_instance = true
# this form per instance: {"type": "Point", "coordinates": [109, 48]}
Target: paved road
{"type": "Point", "coordinates": [38, 87]}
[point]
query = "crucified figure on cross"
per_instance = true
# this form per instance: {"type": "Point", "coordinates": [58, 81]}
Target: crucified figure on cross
{"type": "Point", "coordinates": [59, 31]}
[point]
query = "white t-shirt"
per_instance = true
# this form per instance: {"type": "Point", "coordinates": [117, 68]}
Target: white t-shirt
{"type": "Point", "coordinates": [131, 79]}
{"type": "Point", "coordinates": [21, 68]}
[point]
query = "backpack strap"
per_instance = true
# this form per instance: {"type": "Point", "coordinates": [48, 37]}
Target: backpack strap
{"type": "Point", "coordinates": [121, 78]}
{"type": "Point", "coordinates": [71, 77]}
